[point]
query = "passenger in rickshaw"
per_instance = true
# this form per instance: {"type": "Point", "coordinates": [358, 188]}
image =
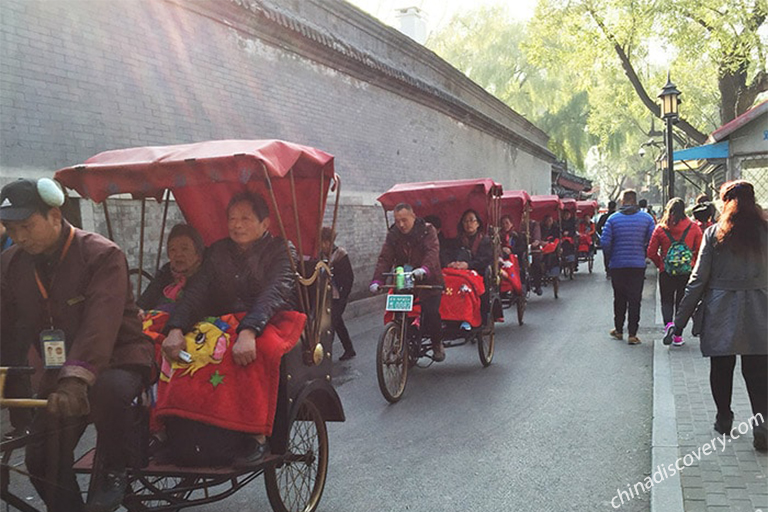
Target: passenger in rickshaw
{"type": "Point", "coordinates": [66, 292]}
{"type": "Point", "coordinates": [412, 242]}
{"type": "Point", "coordinates": [185, 252]}
{"type": "Point", "coordinates": [586, 229]}
{"type": "Point", "coordinates": [569, 240]}
{"type": "Point", "coordinates": [537, 257]}
{"type": "Point", "coordinates": [249, 272]}
{"type": "Point", "coordinates": [513, 243]}
{"type": "Point", "coordinates": [446, 245]}
{"type": "Point", "coordinates": [473, 250]}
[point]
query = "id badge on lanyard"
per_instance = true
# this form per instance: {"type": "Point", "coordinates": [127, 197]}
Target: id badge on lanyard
{"type": "Point", "coordinates": [53, 344]}
{"type": "Point", "coordinates": [54, 348]}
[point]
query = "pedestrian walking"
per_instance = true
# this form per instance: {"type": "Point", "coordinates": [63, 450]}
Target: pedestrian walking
{"type": "Point", "coordinates": [673, 249]}
{"type": "Point", "coordinates": [729, 287]}
{"type": "Point", "coordinates": [599, 229]}
{"type": "Point", "coordinates": [625, 241]}
{"type": "Point", "coordinates": [343, 278]}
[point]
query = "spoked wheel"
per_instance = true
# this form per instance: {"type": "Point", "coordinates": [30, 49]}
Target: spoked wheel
{"type": "Point", "coordinates": [152, 492]}
{"type": "Point", "coordinates": [392, 362]}
{"type": "Point", "coordinates": [569, 270]}
{"type": "Point", "coordinates": [297, 484]}
{"type": "Point", "coordinates": [522, 302]}
{"type": "Point", "coordinates": [590, 262]}
{"type": "Point", "coordinates": [556, 285]}
{"type": "Point", "coordinates": [486, 342]}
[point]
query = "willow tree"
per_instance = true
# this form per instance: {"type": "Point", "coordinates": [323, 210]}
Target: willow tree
{"type": "Point", "coordinates": [715, 50]}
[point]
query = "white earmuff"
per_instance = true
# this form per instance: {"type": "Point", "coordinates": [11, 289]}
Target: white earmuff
{"type": "Point", "coordinates": [50, 192]}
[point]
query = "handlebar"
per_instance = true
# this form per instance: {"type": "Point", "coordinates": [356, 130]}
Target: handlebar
{"type": "Point", "coordinates": [416, 286]}
{"type": "Point", "coordinates": [17, 402]}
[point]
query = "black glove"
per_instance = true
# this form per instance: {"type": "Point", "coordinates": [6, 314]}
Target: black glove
{"type": "Point", "coordinates": [70, 398]}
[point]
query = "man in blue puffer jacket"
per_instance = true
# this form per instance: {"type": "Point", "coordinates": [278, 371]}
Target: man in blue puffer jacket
{"type": "Point", "coordinates": [624, 241]}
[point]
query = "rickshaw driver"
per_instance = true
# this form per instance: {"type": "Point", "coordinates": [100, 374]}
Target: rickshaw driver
{"type": "Point", "coordinates": [66, 292]}
{"type": "Point", "coordinates": [412, 241]}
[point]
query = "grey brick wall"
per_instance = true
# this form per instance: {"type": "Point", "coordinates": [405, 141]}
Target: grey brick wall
{"type": "Point", "coordinates": [84, 76]}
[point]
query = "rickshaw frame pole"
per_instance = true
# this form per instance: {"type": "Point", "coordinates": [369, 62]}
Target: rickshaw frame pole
{"type": "Point", "coordinates": [335, 187]}
{"type": "Point", "coordinates": [296, 220]}
{"type": "Point", "coordinates": [141, 246]}
{"type": "Point", "coordinates": [162, 229]}
{"type": "Point", "coordinates": [302, 302]}
{"type": "Point", "coordinates": [109, 221]}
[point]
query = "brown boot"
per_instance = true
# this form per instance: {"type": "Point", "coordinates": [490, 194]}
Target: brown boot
{"type": "Point", "coordinates": [438, 352]}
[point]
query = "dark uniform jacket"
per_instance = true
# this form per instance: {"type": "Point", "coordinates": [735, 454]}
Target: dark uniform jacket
{"type": "Point", "coordinates": [90, 300]}
{"type": "Point", "coordinates": [419, 248]}
{"type": "Point", "coordinates": [258, 281]}
{"type": "Point", "coordinates": [153, 296]}
{"type": "Point", "coordinates": [476, 251]}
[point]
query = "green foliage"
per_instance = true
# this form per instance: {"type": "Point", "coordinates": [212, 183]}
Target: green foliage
{"type": "Point", "coordinates": [587, 72]}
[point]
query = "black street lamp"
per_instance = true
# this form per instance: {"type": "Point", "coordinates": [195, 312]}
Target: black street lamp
{"type": "Point", "coordinates": [669, 103]}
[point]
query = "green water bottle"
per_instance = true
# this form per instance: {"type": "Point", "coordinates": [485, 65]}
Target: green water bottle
{"type": "Point", "coordinates": [399, 278]}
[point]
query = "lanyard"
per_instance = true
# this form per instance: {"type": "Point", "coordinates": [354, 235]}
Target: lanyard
{"type": "Point", "coordinates": [40, 285]}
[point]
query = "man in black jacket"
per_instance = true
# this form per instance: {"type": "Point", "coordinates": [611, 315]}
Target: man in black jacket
{"type": "Point", "coordinates": [599, 229]}
{"type": "Point", "coordinates": [343, 278]}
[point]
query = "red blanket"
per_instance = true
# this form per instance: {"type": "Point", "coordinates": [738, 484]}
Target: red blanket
{"type": "Point", "coordinates": [510, 276]}
{"type": "Point", "coordinates": [461, 297]}
{"type": "Point", "coordinates": [213, 389]}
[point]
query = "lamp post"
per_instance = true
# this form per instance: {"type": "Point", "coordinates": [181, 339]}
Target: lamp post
{"type": "Point", "coordinates": [669, 103]}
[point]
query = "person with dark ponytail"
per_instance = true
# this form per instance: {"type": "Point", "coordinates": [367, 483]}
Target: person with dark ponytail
{"type": "Point", "coordinates": [673, 249]}
{"type": "Point", "coordinates": [730, 281]}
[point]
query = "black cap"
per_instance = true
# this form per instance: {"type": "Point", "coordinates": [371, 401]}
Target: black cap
{"type": "Point", "coordinates": [19, 200]}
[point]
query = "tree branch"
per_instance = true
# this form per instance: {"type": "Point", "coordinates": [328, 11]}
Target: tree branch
{"type": "Point", "coordinates": [629, 70]}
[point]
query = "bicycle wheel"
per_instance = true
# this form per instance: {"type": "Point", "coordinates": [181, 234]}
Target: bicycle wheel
{"type": "Point", "coordinates": [522, 302]}
{"type": "Point", "coordinates": [590, 262]}
{"type": "Point", "coordinates": [297, 484]}
{"type": "Point", "coordinates": [392, 362]}
{"type": "Point", "coordinates": [556, 285]}
{"type": "Point", "coordinates": [486, 342]}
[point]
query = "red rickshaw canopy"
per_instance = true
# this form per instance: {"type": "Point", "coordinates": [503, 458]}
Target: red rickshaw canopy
{"type": "Point", "coordinates": [204, 176]}
{"type": "Point", "coordinates": [586, 207]}
{"type": "Point", "coordinates": [513, 203]}
{"type": "Point", "coordinates": [569, 204]}
{"type": "Point", "coordinates": [447, 199]}
{"type": "Point", "coordinates": [543, 205]}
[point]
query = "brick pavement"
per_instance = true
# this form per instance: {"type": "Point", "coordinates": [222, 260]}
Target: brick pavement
{"type": "Point", "coordinates": [733, 479]}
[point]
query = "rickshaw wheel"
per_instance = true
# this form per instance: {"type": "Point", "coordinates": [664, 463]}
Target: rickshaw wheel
{"type": "Point", "coordinates": [297, 484]}
{"type": "Point", "coordinates": [161, 487]}
{"type": "Point", "coordinates": [486, 342]}
{"type": "Point", "coordinates": [522, 302]}
{"type": "Point", "coordinates": [392, 362]}
{"type": "Point", "coordinates": [556, 285]}
{"type": "Point", "coordinates": [590, 262]}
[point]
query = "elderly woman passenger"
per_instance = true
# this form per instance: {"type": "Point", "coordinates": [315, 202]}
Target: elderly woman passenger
{"type": "Point", "coordinates": [185, 252]}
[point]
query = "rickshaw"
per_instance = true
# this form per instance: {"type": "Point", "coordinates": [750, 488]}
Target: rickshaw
{"type": "Point", "coordinates": [202, 177]}
{"type": "Point", "coordinates": [516, 204]}
{"type": "Point", "coordinates": [401, 344]}
{"type": "Point", "coordinates": [547, 255]}
{"type": "Point", "coordinates": [568, 243]}
{"type": "Point", "coordinates": [586, 245]}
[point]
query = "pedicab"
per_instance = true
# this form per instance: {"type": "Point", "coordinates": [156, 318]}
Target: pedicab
{"type": "Point", "coordinates": [202, 177]}
{"type": "Point", "coordinates": [586, 247]}
{"type": "Point", "coordinates": [568, 241]}
{"type": "Point", "coordinates": [515, 276]}
{"type": "Point", "coordinates": [546, 257]}
{"type": "Point", "coordinates": [402, 344]}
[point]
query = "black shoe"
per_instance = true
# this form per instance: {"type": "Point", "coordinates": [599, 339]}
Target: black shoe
{"type": "Point", "coordinates": [538, 291]}
{"type": "Point", "coordinates": [723, 425]}
{"type": "Point", "coordinates": [761, 438]}
{"type": "Point", "coordinates": [347, 355]}
{"type": "Point", "coordinates": [110, 493]}
{"type": "Point", "coordinates": [15, 434]}
{"type": "Point", "coordinates": [254, 458]}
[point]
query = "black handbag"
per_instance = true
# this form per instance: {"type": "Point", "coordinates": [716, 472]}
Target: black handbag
{"type": "Point", "coordinates": [698, 319]}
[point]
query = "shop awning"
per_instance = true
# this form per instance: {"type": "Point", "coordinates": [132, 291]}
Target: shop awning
{"type": "Point", "coordinates": [705, 152]}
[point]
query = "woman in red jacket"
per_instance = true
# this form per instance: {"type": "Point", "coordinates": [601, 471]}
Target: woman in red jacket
{"type": "Point", "coordinates": [674, 267]}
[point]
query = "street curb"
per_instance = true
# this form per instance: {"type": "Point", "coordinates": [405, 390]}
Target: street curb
{"type": "Point", "coordinates": [366, 306]}
{"type": "Point", "coordinates": [666, 496]}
